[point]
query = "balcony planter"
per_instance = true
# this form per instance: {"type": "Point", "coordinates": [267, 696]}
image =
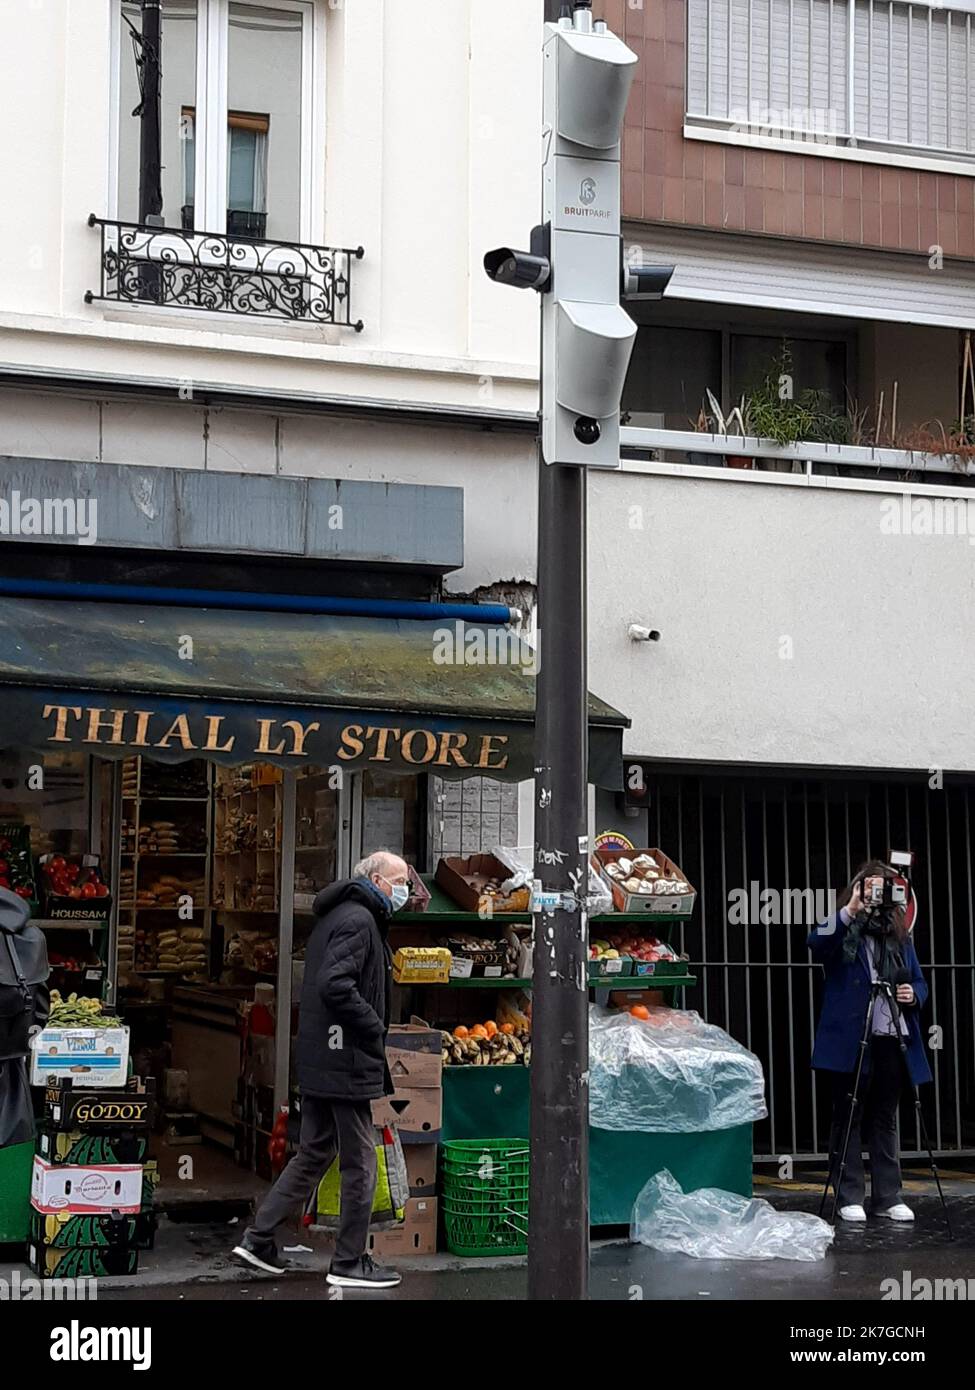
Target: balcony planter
{"type": "Point", "coordinates": [750, 448]}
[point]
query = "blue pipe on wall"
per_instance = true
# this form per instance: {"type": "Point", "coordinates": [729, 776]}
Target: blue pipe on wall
{"type": "Point", "coordinates": [271, 603]}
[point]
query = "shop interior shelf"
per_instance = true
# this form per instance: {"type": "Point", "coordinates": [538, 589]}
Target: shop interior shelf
{"type": "Point", "coordinates": [167, 854]}
{"type": "Point", "coordinates": [145, 796]}
{"type": "Point", "coordinates": [49, 924]}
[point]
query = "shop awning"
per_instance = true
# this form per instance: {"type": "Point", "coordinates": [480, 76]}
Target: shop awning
{"type": "Point", "coordinates": [177, 683]}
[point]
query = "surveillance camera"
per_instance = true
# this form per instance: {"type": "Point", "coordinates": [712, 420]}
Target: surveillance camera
{"type": "Point", "coordinates": [636, 633]}
{"type": "Point", "coordinates": [518, 268]}
{"type": "Point", "coordinates": [587, 430]}
{"type": "Point", "coordinates": [646, 282]}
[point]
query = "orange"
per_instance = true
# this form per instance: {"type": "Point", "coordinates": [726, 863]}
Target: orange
{"type": "Point", "coordinates": [640, 1011]}
{"type": "Point", "coordinates": [508, 1028]}
{"type": "Point", "coordinates": [479, 1031]}
{"type": "Point", "coordinates": [491, 1027]}
{"type": "Point", "coordinates": [461, 1032]}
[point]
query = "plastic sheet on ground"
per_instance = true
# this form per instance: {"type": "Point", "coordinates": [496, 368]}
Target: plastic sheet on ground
{"type": "Point", "coordinates": [714, 1225]}
{"type": "Point", "coordinates": [675, 1074]}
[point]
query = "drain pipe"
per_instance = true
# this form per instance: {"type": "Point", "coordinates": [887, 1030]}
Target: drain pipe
{"type": "Point", "coordinates": [407, 609]}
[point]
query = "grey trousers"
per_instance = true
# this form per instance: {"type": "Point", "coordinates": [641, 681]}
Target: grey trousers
{"type": "Point", "coordinates": [328, 1127]}
{"type": "Point", "coordinates": [875, 1124]}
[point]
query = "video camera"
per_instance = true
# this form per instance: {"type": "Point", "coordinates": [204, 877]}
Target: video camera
{"type": "Point", "coordinates": [878, 891]}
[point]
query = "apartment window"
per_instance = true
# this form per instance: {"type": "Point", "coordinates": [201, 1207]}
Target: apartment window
{"type": "Point", "coordinates": [781, 70]}
{"type": "Point", "coordinates": [673, 367]}
{"type": "Point", "coordinates": [241, 117]}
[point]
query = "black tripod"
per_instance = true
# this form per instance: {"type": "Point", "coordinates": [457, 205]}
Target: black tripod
{"type": "Point", "coordinates": [879, 989]}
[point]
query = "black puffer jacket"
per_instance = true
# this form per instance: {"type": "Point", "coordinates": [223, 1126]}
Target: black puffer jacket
{"type": "Point", "coordinates": [341, 1053]}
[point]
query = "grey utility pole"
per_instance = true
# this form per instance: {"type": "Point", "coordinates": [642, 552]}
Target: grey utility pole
{"type": "Point", "coordinates": [575, 264]}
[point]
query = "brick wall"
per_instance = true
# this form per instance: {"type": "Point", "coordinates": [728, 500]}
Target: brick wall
{"type": "Point", "coordinates": [690, 182]}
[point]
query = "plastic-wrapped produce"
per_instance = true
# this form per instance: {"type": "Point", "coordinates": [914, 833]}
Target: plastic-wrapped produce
{"type": "Point", "coordinates": [714, 1225]}
{"type": "Point", "coordinates": [669, 1074]}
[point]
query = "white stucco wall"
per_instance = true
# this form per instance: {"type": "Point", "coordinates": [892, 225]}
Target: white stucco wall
{"type": "Point", "coordinates": [431, 109]}
{"type": "Point", "coordinates": [736, 576]}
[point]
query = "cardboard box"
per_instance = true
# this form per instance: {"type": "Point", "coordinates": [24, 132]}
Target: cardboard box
{"type": "Point", "coordinates": [70, 1107]}
{"type": "Point", "coordinates": [78, 1148]}
{"type": "Point", "coordinates": [82, 1262]}
{"type": "Point", "coordinates": [90, 1056]}
{"type": "Point", "coordinates": [464, 881]}
{"type": "Point", "coordinates": [413, 1052]}
{"type": "Point", "coordinates": [416, 1236]}
{"type": "Point", "coordinates": [65, 1232]}
{"type": "Point", "coordinates": [417, 1115]}
{"type": "Point", "coordinates": [623, 998]}
{"type": "Point", "coordinates": [92, 1190]}
{"type": "Point", "coordinates": [656, 904]}
{"type": "Point", "coordinates": [421, 1169]}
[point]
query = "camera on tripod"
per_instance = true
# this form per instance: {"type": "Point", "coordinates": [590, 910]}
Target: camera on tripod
{"type": "Point", "coordinates": [880, 891]}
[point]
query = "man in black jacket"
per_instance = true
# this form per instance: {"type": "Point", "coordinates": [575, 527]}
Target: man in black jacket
{"type": "Point", "coordinates": [341, 1066]}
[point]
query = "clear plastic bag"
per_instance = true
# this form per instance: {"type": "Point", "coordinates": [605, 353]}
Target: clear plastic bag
{"type": "Point", "coordinates": [714, 1225]}
{"type": "Point", "coordinates": [671, 1074]}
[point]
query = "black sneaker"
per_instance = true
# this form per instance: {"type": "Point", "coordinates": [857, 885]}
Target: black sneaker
{"type": "Point", "coordinates": [363, 1273]}
{"type": "Point", "coordinates": [259, 1252]}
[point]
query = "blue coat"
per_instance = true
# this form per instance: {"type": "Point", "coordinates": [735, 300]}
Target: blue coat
{"type": "Point", "coordinates": [845, 1003]}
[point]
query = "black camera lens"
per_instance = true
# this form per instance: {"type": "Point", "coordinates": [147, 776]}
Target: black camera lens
{"type": "Point", "coordinates": [587, 430]}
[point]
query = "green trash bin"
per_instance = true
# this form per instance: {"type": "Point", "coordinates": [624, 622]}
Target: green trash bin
{"type": "Point", "coordinates": [16, 1164]}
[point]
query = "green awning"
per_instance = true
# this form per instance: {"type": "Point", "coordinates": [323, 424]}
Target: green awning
{"type": "Point", "coordinates": [355, 692]}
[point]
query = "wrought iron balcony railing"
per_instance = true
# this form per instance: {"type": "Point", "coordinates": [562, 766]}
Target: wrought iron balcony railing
{"type": "Point", "coordinates": [227, 274]}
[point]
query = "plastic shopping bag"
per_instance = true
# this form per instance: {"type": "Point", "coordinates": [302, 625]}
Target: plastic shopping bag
{"type": "Point", "coordinates": [392, 1186]}
{"type": "Point", "coordinates": [714, 1225]}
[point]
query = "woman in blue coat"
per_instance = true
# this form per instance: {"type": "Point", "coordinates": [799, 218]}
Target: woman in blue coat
{"type": "Point", "coordinates": [857, 946]}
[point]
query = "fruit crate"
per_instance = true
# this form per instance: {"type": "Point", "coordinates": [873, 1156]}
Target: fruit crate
{"type": "Point", "coordinates": [503, 1233]}
{"type": "Point", "coordinates": [485, 1196]}
{"type": "Point", "coordinates": [617, 968]}
{"type": "Point", "coordinates": [659, 968]}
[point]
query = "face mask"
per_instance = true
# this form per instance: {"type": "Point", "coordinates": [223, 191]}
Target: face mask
{"type": "Point", "coordinates": [399, 895]}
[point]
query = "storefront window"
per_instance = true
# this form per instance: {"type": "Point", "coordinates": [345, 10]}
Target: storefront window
{"type": "Point", "coordinates": [316, 834]}
{"type": "Point", "coordinates": [389, 814]}
{"type": "Point", "coordinates": [49, 793]}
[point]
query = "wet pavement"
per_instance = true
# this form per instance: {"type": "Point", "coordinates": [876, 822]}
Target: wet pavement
{"type": "Point", "coordinates": [855, 1268]}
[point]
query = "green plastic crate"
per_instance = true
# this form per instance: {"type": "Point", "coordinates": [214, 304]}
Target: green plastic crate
{"type": "Point", "coordinates": [485, 1196]}
{"type": "Point", "coordinates": [505, 1233]}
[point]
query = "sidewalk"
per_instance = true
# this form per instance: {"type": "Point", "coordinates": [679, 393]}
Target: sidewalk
{"type": "Point", "coordinates": [191, 1261]}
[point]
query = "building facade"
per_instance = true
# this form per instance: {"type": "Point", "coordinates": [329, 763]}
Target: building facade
{"type": "Point", "coordinates": [314, 309]}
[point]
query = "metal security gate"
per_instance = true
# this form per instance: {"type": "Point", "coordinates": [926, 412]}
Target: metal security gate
{"type": "Point", "coordinates": [759, 849]}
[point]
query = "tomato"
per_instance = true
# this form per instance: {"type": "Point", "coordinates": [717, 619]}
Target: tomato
{"type": "Point", "coordinates": [72, 872]}
{"type": "Point", "coordinates": [56, 861]}
{"type": "Point", "coordinates": [24, 892]}
{"type": "Point", "coordinates": [88, 890]}
{"type": "Point", "coordinates": [101, 890]}
{"type": "Point", "coordinates": [74, 892]}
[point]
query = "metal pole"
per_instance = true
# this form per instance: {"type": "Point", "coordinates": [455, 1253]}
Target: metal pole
{"type": "Point", "coordinates": [558, 1245]}
{"type": "Point", "coordinates": [558, 1240]}
{"type": "Point", "coordinates": [150, 139]}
